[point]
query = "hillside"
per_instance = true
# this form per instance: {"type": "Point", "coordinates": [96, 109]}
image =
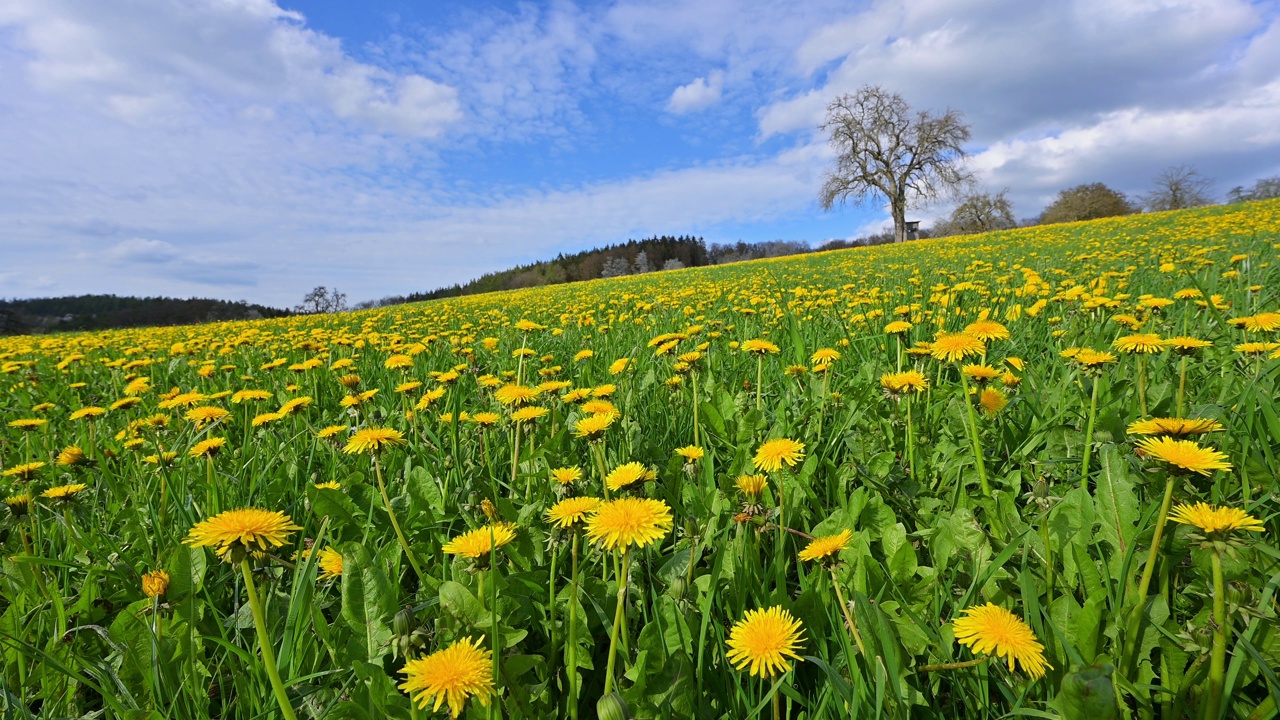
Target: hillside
{"type": "Point", "coordinates": [100, 312]}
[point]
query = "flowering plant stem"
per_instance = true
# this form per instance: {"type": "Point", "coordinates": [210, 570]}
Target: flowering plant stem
{"type": "Point", "coordinates": [1218, 653]}
{"type": "Point", "coordinates": [624, 575]}
{"type": "Point", "coordinates": [953, 665]}
{"type": "Point", "coordinates": [844, 608]}
{"type": "Point", "coordinates": [264, 642]}
{"type": "Point", "coordinates": [1088, 435]}
{"type": "Point", "coordinates": [573, 630]}
{"type": "Point", "coordinates": [1135, 617]}
{"type": "Point", "coordinates": [759, 378]}
{"type": "Point", "coordinates": [386, 501]}
{"type": "Point", "coordinates": [977, 440]}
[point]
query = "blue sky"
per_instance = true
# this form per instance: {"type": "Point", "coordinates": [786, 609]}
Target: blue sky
{"type": "Point", "coordinates": [252, 149]}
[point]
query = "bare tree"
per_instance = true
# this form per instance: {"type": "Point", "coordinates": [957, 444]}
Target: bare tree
{"type": "Point", "coordinates": [884, 149]}
{"type": "Point", "coordinates": [1178, 187]}
{"type": "Point", "coordinates": [1264, 189]}
{"type": "Point", "coordinates": [322, 300]}
{"type": "Point", "coordinates": [981, 212]}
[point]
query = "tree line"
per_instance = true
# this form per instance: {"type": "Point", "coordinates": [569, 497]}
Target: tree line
{"type": "Point", "coordinates": [100, 312]}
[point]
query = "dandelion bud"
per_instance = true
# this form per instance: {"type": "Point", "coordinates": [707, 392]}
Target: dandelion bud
{"type": "Point", "coordinates": [612, 707]}
{"type": "Point", "coordinates": [155, 583]}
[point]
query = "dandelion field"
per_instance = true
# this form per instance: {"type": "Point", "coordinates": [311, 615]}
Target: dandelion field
{"type": "Point", "coordinates": [1032, 473]}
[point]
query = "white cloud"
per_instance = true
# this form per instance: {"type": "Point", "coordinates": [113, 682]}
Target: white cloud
{"type": "Point", "coordinates": [141, 250]}
{"type": "Point", "coordinates": [700, 94]}
{"type": "Point", "coordinates": [162, 63]}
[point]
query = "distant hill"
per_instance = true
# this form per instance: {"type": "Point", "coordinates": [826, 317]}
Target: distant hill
{"type": "Point", "coordinates": [100, 312]}
{"type": "Point", "coordinates": [633, 257]}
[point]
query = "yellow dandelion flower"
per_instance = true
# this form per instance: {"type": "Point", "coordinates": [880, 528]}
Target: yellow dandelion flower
{"type": "Point", "coordinates": [373, 440]}
{"type": "Point", "coordinates": [572, 511]}
{"type": "Point", "coordinates": [329, 485]}
{"type": "Point", "coordinates": [583, 355]}
{"type": "Point", "coordinates": [827, 546]}
{"type": "Point", "coordinates": [1175, 427]}
{"type": "Point", "coordinates": [897, 327]}
{"type": "Point", "coordinates": [625, 475]}
{"type": "Point", "coordinates": [242, 396]}
{"type": "Point", "coordinates": [992, 401]}
{"type": "Point", "coordinates": [90, 412]}
{"type": "Point", "coordinates": [592, 427]}
{"type": "Point", "coordinates": [529, 414]}
{"type": "Point", "coordinates": [330, 431]}
{"type": "Point", "coordinates": [1091, 358]}
{"type": "Point", "coordinates": [19, 505]}
{"type": "Point", "coordinates": [208, 448]}
{"type": "Point", "coordinates": [477, 543]}
{"type": "Point", "coordinates": [567, 475]}
{"type": "Point", "coordinates": [460, 671]}
{"type": "Point", "coordinates": [1184, 345]}
{"type": "Point", "coordinates": [206, 415]}
{"type": "Point", "coordinates": [1184, 455]}
{"type": "Point", "coordinates": [330, 564]}
{"type": "Point", "coordinates": [1143, 343]}
{"type": "Point", "coordinates": [626, 522]}
{"type": "Point", "coordinates": [759, 346]}
{"type": "Point", "coordinates": [295, 406]}
{"type": "Point", "coordinates": [992, 629]}
{"type": "Point", "coordinates": [27, 424]}
{"type": "Point", "coordinates": [65, 493]}
{"type": "Point", "coordinates": [752, 485]}
{"type": "Point", "coordinates": [486, 418]}
{"type": "Point", "coordinates": [763, 640]}
{"type": "Point", "coordinates": [513, 394]}
{"type": "Point", "coordinates": [980, 373]}
{"type": "Point", "coordinates": [619, 366]}
{"type": "Point", "coordinates": [70, 456]}
{"type": "Point", "coordinates": [953, 347]}
{"type": "Point", "coordinates": [773, 454]}
{"type": "Point", "coordinates": [987, 330]}
{"type": "Point", "coordinates": [691, 453]}
{"type": "Point", "coordinates": [1215, 520]}
{"type": "Point", "coordinates": [235, 532]}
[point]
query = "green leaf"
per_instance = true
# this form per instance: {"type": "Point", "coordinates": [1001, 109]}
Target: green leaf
{"type": "Point", "coordinates": [368, 598]}
{"type": "Point", "coordinates": [1117, 506]}
{"type": "Point", "coordinates": [1087, 693]}
{"type": "Point", "coordinates": [457, 600]}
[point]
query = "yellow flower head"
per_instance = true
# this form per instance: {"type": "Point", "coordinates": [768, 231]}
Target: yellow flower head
{"type": "Point", "coordinates": [897, 327]}
{"type": "Point", "coordinates": [206, 415]}
{"type": "Point", "coordinates": [529, 414]}
{"type": "Point", "coordinates": [992, 629]}
{"type": "Point", "coordinates": [762, 641]}
{"type": "Point", "coordinates": [1144, 343]}
{"type": "Point", "coordinates": [330, 431]}
{"type": "Point", "coordinates": [752, 485]}
{"type": "Point", "coordinates": [622, 523]}
{"type": "Point", "coordinates": [980, 373]}
{"type": "Point", "coordinates": [27, 424]}
{"type": "Point", "coordinates": [824, 356]}
{"type": "Point", "coordinates": [155, 583]}
{"type": "Point", "coordinates": [460, 671]}
{"type": "Point", "coordinates": [398, 362]}
{"type": "Point", "coordinates": [64, 493]}
{"type": "Point", "coordinates": [904, 383]}
{"type": "Point", "coordinates": [987, 330]}
{"type": "Point", "coordinates": [572, 511]}
{"type": "Point", "coordinates": [70, 456]}
{"type": "Point", "coordinates": [592, 427]}
{"type": "Point", "coordinates": [486, 418]}
{"type": "Point", "coordinates": [19, 505]}
{"type": "Point", "coordinates": [1215, 520]}
{"type": "Point", "coordinates": [512, 394]}
{"type": "Point", "coordinates": [330, 564]}
{"type": "Point", "coordinates": [625, 475]}
{"type": "Point", "coordinates": [773, 454]}
{"type": "Point", "coordinates": [373, 440]}
{"type": "Point", "coordinates": [567, 475]}
{"type": "Point", "coordinates": [477, 543]}
{"type": "Point", "coordinates": [236, 532]}
{"type": "Point", "coordinates": [241, 396]}
{"type": "Point", "coordinates": [1090, 358]}
{"type": "Point", "coordinates": [1184, 455]}
{"type": "Point", "coordinates": [617, 367]}
{"type": "Point", "coordinates": [953, 347]}
{"type": "Point", "coordinates": [1185, 345]}
{"type": "Point", "coordinates": [294, 406]}
{"type": "Point", "coordinates": [1175, 427]}
{"type": "Point", "coordinates": [759, 346]}
{"type": "Point", "coordinates": [691, 453]}
{"type": "Point", "coordinates": [992, 401]}
{"type": "Point", "coordinates": [329, 485]}
{"type": "Point", "coordinates": [90, 412]}
{"type": "Point", "coordinates": [207, 448]}
{"type": "Point", "coordinates": [827, 546]}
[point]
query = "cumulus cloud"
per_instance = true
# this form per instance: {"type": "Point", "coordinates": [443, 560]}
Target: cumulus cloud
{"type": "Point", "coordinates": [159, 62]}
{"type": "Point", "coordinates": [141, 250]}
{"type": "Point", "coordinates": [700, 94]}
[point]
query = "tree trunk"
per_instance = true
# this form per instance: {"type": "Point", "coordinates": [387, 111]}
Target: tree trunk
{"type": "Point", "coordinates": [899, 209]}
